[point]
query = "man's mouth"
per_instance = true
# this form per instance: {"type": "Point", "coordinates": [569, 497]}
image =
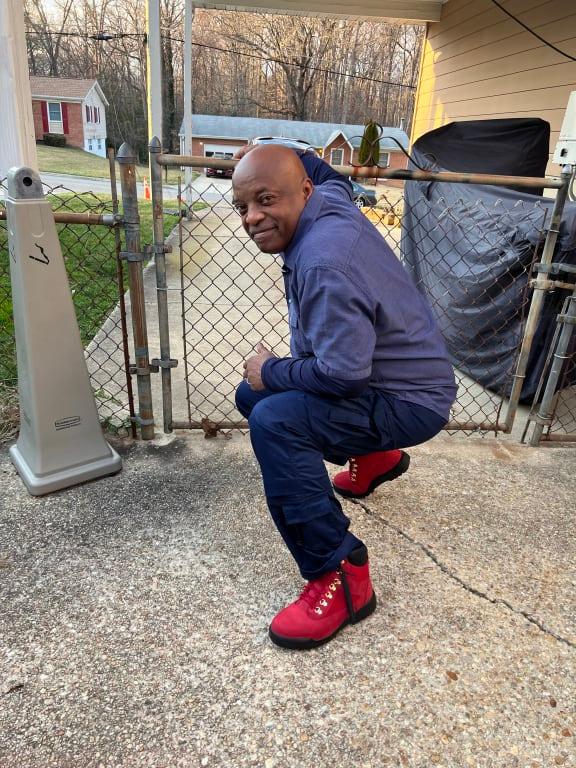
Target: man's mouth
{"type": "Point", "coordinates": [261, 233]}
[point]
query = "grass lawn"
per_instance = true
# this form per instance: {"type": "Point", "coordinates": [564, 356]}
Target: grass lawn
{"type": "Point", "coordinates": [76, 162]}
{"type": "Point", "coordinates": [90, 257]}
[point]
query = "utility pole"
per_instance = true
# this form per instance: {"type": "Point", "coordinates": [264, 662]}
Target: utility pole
{"type": "Point", "coordinates": [188, 99]}
{"type": "Point", "coordinates": [18, 145]}
{"type": "Point", "coordinates": [154, 69]}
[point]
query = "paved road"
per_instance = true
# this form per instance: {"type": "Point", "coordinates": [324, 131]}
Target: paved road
{"type": "Point", "coordinates": [208, 190]}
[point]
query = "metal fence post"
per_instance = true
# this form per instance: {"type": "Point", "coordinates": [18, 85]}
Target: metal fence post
{"type": "Point", "coordinates": [133, 254]}
{"type": "Point", "coordinates": [165, 363]}
{"type": "Point", "coordinates": [545, 412]}
{"type": "Point", "coordinates": [540, 288]}
{"type": "Point", "coordinates": [121, 301]}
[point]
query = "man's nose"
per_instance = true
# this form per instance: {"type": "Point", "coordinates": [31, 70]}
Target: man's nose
{"type": "Point", "coordinates": [254, 215]}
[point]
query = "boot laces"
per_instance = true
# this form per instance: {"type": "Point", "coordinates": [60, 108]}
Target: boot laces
{"type": "Point", "coordinates": [318, 593]}
{"type": "Point", "coordinates": [353, 462]}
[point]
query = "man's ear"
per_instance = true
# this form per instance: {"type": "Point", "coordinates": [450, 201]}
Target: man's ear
{"type": "Point", "coordinates": [307, 188]}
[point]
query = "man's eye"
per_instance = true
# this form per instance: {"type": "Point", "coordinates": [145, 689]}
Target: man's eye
{"type": "Point", "coordinates": [266, 200]}
{"type": "Point", "coordinates": [240, 209]}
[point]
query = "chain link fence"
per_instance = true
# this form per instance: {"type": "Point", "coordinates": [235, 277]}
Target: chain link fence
{"type": "Point", "coordinates": [208, 295]}
{"type": "Point", "coordinates": [553, 413]}
{"type": "Point", "coordinates": [231, 295]}
{"type": "Point", "coordinates": [97, 283]}
{"type": "Point", "coordinates": [563, 423]}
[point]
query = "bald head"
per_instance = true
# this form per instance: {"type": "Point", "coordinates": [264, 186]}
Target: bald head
{"type": "Point", "coordinates": [260, 160]}
{"type": "Point", "coordinates": [270, 188]}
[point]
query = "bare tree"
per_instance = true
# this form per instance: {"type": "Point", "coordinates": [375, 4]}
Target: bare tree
{"type": "Point", "coordinates": [330, 70]}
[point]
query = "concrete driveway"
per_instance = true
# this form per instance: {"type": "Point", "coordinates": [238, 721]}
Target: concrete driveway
{"type": "Point", "coordinates": [133, 629]}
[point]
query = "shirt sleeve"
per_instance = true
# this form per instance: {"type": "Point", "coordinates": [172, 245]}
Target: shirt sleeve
{"type": "Point", "coordinates": [324, 175]}
{"type": "Point", "coordinates": [283, 373]}
{"type": "Point", "coordinates": [338, 318]}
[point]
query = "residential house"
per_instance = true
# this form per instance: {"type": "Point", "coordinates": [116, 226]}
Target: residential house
{"type": "Point", "coordinates": [221, 136]}
{"type": "Point", "coordinates": [478, 63]}
{"type": "Point", "coordinates": [73, 108]}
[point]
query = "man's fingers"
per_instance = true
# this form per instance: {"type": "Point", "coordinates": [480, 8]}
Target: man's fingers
{"type": "Point", "coordinates": [261, 348]}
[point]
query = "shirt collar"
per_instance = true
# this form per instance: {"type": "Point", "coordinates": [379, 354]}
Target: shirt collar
{"type": "Point", "coordinates": [307, 218]}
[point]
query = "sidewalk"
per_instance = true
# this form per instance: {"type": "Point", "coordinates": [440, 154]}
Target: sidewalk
{"type": "Point", "coordinates": [133, 629]}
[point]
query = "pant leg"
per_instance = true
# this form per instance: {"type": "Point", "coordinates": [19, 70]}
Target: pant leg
{"type": "Point", "coordinates": [291, 434]}
{"type": "Point", "coordinates": [246, 398]}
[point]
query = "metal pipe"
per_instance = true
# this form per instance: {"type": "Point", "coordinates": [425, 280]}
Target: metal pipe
{"type": "Point", "coordinates": [90, 219]}
{"type": "Point", "coordinates": [538, 296]}
{"type": "Point", "coordinates": [546, 410]}
{"type": "Point", "coordinates": [373, 172]}
{"type": "Point", "coordinates": [161, 285]}
{"type": "Point", "coordinates": [121, 301]}
{"type": "Point", "coordinates": [555, 438]}
{"type": "Point", "coordinates": [127, 161]}
{"type": "Point", "coordinates": [452, 426]}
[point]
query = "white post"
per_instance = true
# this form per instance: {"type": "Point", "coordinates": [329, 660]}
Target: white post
{"type": "Point", "coordinates": [188, 98]}
{"type": "Point", "coordinates": [154, 69]}
{"type": "Point", "coordinates": [18, 145]}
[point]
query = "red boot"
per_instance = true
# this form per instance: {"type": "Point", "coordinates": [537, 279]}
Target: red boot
{"type": "Point", "coordinates": [325, 605]}
{"type": "Point", "coordinates": [365, 473]}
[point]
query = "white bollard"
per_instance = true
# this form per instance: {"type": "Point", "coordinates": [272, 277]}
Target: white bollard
{"type": "Point", "coordinates": [60, 442]}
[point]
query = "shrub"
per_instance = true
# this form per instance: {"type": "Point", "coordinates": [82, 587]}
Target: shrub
{"type": "Point", "coordinates": [54, 139]}
{"type": "Point", "coordinates": [369, 153]}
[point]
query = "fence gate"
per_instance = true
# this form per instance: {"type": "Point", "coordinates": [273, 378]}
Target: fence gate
{"type": "Point", "coordinates": [218, 295]}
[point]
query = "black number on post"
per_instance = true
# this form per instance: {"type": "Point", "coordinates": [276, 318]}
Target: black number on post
{"type": "Point", "coordinates": [44, 259]}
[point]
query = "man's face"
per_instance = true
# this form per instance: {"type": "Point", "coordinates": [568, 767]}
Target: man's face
{"type": "Point", "coordinates": [270, 205]}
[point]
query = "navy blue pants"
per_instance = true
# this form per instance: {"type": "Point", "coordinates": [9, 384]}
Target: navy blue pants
{"type": "Point", "coordinates": [293, 432]}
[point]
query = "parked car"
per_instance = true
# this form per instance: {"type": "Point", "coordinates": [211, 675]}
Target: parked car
{"type": "Point", "coordinates": [223, 173]}
{"type": "Point", "coordinates": [285, 142]}
{"type": "Point", "coordinates": [363, 197]}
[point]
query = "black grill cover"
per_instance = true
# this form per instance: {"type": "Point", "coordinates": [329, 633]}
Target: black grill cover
{"type": "Point", "coordinates": [469, 248]}
{"type": "Point", "coordinates": [514, 147]}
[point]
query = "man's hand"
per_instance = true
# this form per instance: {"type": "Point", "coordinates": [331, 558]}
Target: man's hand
{"type": "Point", "coordinates": [239, 154]}
{"type": "Point", "coordinates": [253, 367]}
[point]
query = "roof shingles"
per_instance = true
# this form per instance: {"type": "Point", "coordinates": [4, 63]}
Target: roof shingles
{"type": "Point", "coordinates": [317, 134]}
{"type": "Point", "coordinates": [60, 87]}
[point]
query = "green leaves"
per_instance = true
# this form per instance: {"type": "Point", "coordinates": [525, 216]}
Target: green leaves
{"type": "Point", "coordinates": [369, 153]}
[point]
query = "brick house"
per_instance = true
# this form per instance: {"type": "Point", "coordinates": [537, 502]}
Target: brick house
{"type": "Point", "coordinates": [74, 108]}
{"type": "Point", "coordinates": [221, 136]}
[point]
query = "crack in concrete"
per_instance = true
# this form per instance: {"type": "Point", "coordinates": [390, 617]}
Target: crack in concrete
{"type": "Point", "coordinates": [472, 590]}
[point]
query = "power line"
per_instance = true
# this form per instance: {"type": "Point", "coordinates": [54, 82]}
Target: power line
{"type": "Point", "coordinates": [527, 28]}
{"type": "Point", "coordinates": [105, 37]}
{"type": "Point", "coordinates": [293, 64]}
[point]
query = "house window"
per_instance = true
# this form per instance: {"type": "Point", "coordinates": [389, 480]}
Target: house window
{"type": "Point", "coordinates": [384, 159]}
{"type": "Point", "coordinates": [99, 143]}
{"type": "Point", "coordinates": [337, 157]}
{"type": "Point", "coordinates": [55, 111]}
{"type": "Point", "coordinates": [89, 145]}
{"type": "Point", "coordinates": [55, 124]}
{"type": "Point", "coordinates": [87, 114]}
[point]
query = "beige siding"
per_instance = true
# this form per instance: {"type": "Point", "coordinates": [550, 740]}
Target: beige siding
{"type": "Point", "coordinates": [480, 64]}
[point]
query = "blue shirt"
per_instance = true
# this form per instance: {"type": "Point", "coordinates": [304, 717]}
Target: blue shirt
{"type": "Point", "coordinates": [354, 313]}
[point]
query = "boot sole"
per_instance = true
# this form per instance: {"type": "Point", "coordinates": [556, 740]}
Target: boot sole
{"type": "Point", "coordinates": [392, 474]}
{"type": "Point", "coordinates": [304, 644]}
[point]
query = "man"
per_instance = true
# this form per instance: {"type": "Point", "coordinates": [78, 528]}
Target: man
{"type": "Point", "coordinates": [368, 375]}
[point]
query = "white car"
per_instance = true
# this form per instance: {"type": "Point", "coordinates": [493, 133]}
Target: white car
{"type": "Point", "coordinates": [298, 144]}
